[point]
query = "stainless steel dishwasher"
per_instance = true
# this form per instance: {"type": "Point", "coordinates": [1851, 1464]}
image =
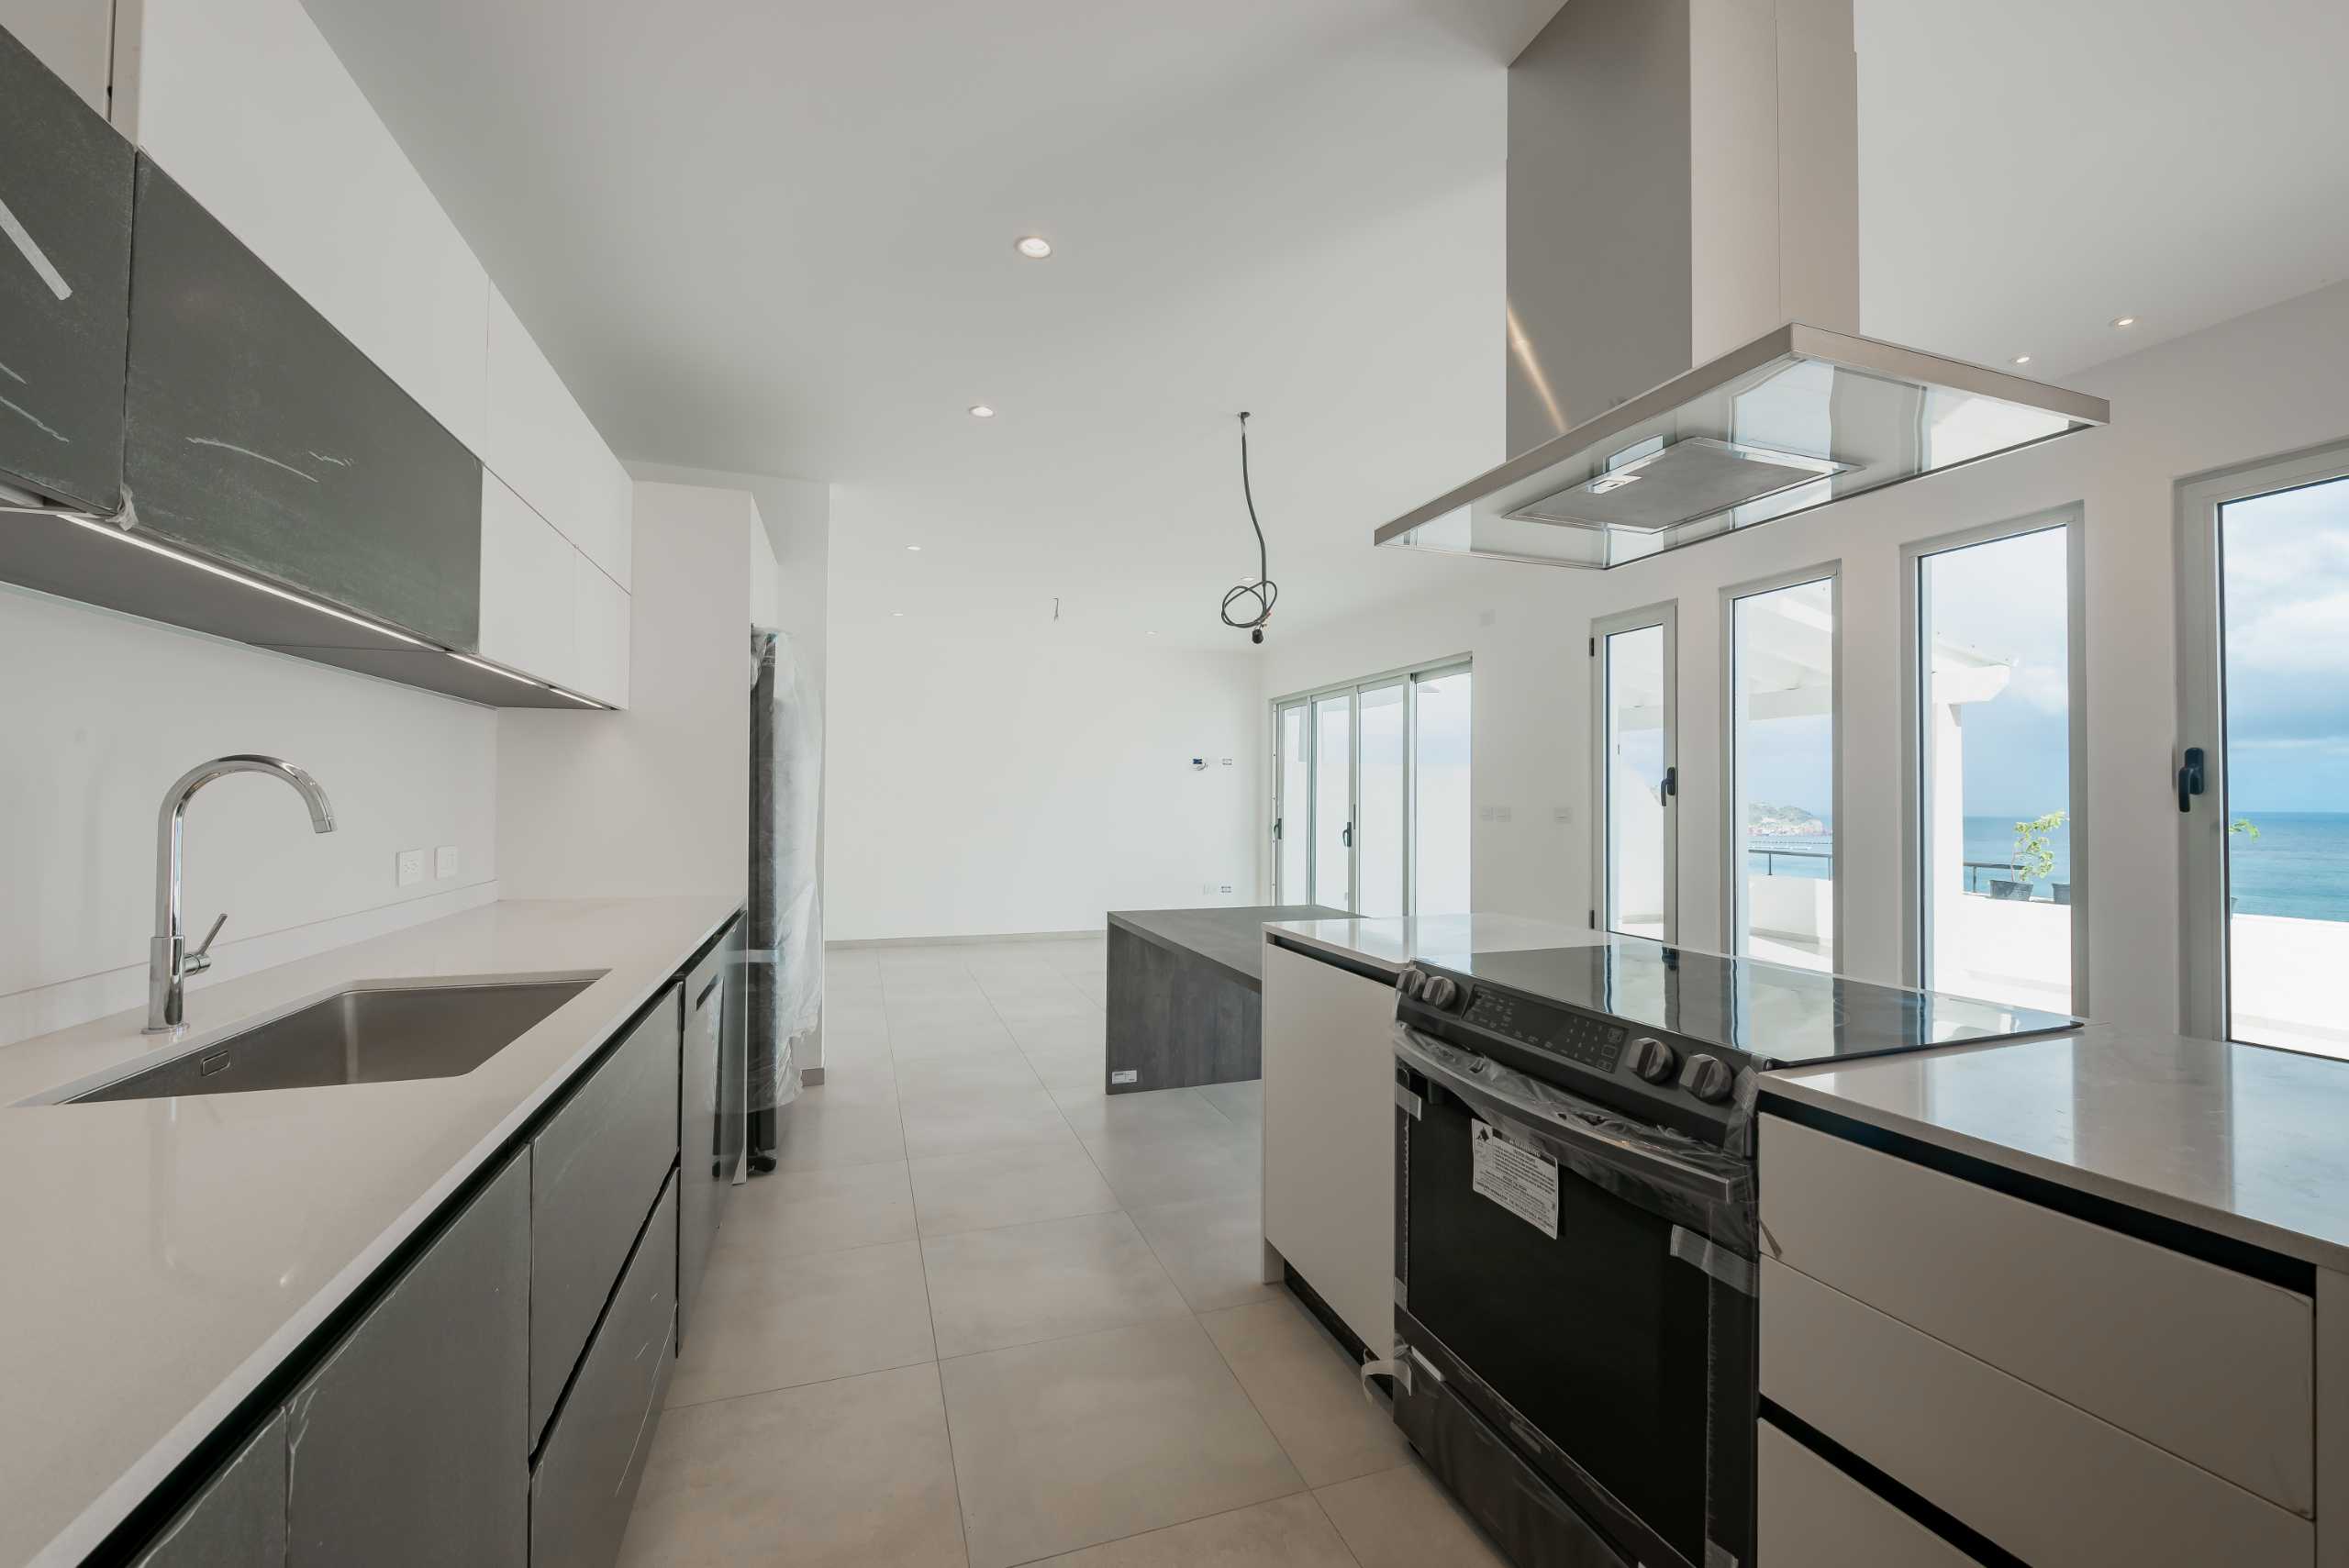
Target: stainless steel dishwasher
{"type": "Point", "coordinates": [710, 1106]}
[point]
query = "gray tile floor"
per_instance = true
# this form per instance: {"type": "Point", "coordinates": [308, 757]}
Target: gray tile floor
{"type": "Point", "coordinates": [985, 1315]}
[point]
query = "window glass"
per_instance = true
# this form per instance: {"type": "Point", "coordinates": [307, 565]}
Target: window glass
{"type": "Point", "coordinates": [1333, 816]}
{"type": "Point", "coordinates": [1440, 817]}
{"type": "Point", "coordinates": [1379, 826]}
{"type": "Point", "coordinates": [1995, 761]}
{"type": "Point", "coordinates": [1638, 811]}
{"type": "Point", "coordinates": [1292, 876]}
{"type": "Point", "coordinates": [1783, 773]}
{"type": "Point", "coordinates": [2283, 580]}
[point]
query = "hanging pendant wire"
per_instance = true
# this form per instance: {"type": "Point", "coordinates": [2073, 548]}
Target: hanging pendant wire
{"type": "Point", "coordinates": [1263, 589]}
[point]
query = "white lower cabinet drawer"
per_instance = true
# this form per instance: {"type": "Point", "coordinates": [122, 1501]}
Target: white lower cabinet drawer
{"type": "Point", "coordinates": [2216, 1366]}
{"type": "Point", "coordinates": [1812, 1515]}
{"type": "Point", "coordinates": [2048, 1482]}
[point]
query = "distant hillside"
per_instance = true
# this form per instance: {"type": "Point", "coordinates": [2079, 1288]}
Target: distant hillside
{"type": "Point", "coordinates": [1766, 821]}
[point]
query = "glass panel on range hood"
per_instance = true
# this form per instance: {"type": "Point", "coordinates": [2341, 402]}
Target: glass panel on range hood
{"type": "Point", "coordinates": [1860, 415]}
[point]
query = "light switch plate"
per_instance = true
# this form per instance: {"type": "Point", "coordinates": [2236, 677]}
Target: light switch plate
{"type": "Point", "coordinates": [411, 867]}
{"type": "Point", "coordinates": [444, 863]}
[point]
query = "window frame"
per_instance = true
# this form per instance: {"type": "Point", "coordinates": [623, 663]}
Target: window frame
{"type": "Point", "coordinates": [1916, 929]}
{"type": "Point", "coordinates": [2205, 1004]}
{"type": "Point", "coordinates": [1732, 796]}
{"type": "Point", "coordinates": [1408, 676]}
{"type": "Point", "coordinates": [1665, 616]}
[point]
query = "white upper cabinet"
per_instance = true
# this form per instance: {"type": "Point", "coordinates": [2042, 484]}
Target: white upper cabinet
{"type": "Point", "coordinates": [542, 443]}
{"type": "Point", "coordinates": [527, 622]}
{"type": "Point", "coordinates": [72, 38]}
{"type": "Point", "coordinates": [600, 610]}
{"type": "Point", "coordinates": [243, 103]}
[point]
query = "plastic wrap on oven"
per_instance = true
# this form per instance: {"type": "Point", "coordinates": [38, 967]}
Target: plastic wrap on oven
{"type": "Point", "coordinates": [1708, 1190]}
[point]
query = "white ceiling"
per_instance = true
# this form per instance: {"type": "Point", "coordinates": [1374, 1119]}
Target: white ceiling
{"type": "Point", "coordinates": [2032, 169]}
{"type": "Point", "coordinates": [777, 237]}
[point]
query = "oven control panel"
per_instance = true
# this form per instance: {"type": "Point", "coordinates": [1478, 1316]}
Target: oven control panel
{"type": "Point", "coordinates": [1593, 1043]}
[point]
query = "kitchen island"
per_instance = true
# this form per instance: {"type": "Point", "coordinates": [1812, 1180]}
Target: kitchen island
{"type": "Point", "coordinates": [1185, 985]}
{"type": "Point", "coordinates": [168, 1298]}
{"type": "Point", "coordinates": [1329, 1069]}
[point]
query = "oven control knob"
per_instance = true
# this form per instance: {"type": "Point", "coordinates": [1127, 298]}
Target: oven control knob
{"type": "Point", "coordinates": [1440, 992]}
{"type": "Point", "coordinates": [1653, 1060]}
{"type": "Point", "coordinates": [1409, 981]}
{"type": "Point", "coordinates": [1708, 1078]}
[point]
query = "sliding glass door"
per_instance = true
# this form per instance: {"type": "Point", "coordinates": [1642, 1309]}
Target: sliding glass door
{"type": "Point", "coordinates": [1441, 700]}
{"type": "Point", "coordinates": [1784, 657]}
{"type": "Point", "coordinates": [1636, 786]}
{"type": "Point", "coordinates": [1334, 803]}
{"type": "Point", "coordinates": [2262, 774]}
{"type": "Point", "coordinates": [1380, 788]}
{"type": "Point", "coordinates": [1997, 895]}
{"type": "Point", "coordinates": [1292, 804]}
{"type": "Point", "coordinates": [1370, 794]}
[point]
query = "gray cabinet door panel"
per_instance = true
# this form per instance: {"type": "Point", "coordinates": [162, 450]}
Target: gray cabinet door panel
{"type": "Point", "coordinates": [701, 1156]}
{"type": "Point", "coordinates": [239, 1519]}
{"type": "Point", "coordinates": [408, 1446]}
{"type": "Point", "coordinates": [596, 1170]}
{"type": "Point", "coordinates": [593, 1458]}
{"type": "Point", "coordinates": [65, 185]}
{"type": "Point", "coordinates": [258, 435]}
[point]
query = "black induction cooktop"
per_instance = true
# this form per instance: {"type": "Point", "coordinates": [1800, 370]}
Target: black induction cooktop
{"type": "Point", "coordinates": [1773, 1014]}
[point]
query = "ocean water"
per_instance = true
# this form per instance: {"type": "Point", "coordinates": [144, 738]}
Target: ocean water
{"type": "Point", "coordinates": [2299, 866]}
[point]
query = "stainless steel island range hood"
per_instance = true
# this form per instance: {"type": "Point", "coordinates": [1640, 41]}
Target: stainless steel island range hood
{"type": "Point", "coordinates": [1682, 176]}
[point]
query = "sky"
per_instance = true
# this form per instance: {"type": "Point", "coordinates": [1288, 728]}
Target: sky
{"type": "Point", "coordinates": [2287, 601]}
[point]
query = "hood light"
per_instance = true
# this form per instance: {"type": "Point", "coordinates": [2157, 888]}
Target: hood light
{"type": "Point", "coordinates": [1606, 482]}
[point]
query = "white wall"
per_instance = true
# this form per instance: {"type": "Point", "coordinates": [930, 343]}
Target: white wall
{"type": "Point", "coordinates": [1033, 784]}
{"type": "Point", "coordinates": [99, 713]}
{"type": "Point", "coordinates": [2273, 382]}
{"type": "Point", "coordinates": [654, 800]}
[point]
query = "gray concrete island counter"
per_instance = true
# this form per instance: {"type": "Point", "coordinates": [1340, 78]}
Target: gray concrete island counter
{"type": "Point", "coordinates": [1185, 994]}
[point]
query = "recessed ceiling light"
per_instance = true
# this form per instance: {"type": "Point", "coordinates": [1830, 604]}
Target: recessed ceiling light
{"type": "Point", "coordinates": [2124, 321]}
{"type": "Point", "coordinates": [896, 615]}
{"type": "Point", "coordinates": [914, 547]}
{"type": "Point", "coordinates": [981, 411]}
{"type": "Point", "coordinates": [2019, 358]}
{"type": "Point", "coordinates": [1035, 247]}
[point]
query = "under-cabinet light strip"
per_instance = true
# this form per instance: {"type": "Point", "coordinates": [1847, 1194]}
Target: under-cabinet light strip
{"type": "Point", "coordinates": [526, 679]}
{"type": "Point", "coordinates": [99, 525]}
{"type": "Point", "coordinates": [307, 603]}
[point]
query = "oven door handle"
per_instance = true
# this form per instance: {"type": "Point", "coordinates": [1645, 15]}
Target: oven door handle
{"type": "Point", "coordinates": [1589, 1134]}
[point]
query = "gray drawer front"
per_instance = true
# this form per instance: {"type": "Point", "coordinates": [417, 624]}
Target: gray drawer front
{"type": "Point", "coordinates": [407, 1446]}
{"type": "Point", "coordinates": [65, 291]}
{"type": "Point", "coordinates": [595, 1455]}
{"type": "Point", "coordinates": [239, 1519]}
{"type": "Point", "coordinates": [594, 1171]}
{"type": "Point", "coordinates": [258, 434]}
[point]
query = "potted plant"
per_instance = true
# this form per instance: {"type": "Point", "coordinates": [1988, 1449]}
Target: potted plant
{"type": "Point", "coordinates": [2034, 860]}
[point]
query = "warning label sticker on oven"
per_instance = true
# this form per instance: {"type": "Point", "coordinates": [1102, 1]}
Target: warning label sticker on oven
{"type": "Point", "coordinates": [1520, 1180]}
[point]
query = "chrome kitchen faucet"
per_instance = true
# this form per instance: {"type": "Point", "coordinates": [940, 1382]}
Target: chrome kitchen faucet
{"type": "Point", "coordinates": [169, 964]}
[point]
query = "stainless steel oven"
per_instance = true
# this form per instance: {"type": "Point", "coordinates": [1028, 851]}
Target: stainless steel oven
{"type": "Point", "coordinates": [1575, 1321]}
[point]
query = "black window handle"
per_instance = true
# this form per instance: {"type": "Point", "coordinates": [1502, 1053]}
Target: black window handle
{"type": "Point", "coordinates": [1671, 784]}
{"type": "Point", "coordinates": [1348, 836]}
{"type": "Point", "coordinates": [2191, 779]}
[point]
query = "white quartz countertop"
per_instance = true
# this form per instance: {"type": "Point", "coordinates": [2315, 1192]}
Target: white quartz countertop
{"type": "Point", "coordinates": [1393, 943]}
{"type": "Point", "coordinates": [2239, 1139]}
{"type": "Point", "coordinates": [164, 1256]}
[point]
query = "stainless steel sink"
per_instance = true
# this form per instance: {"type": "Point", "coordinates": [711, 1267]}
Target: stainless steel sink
{"type": "Point", "coordinates": [369, 1034]}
